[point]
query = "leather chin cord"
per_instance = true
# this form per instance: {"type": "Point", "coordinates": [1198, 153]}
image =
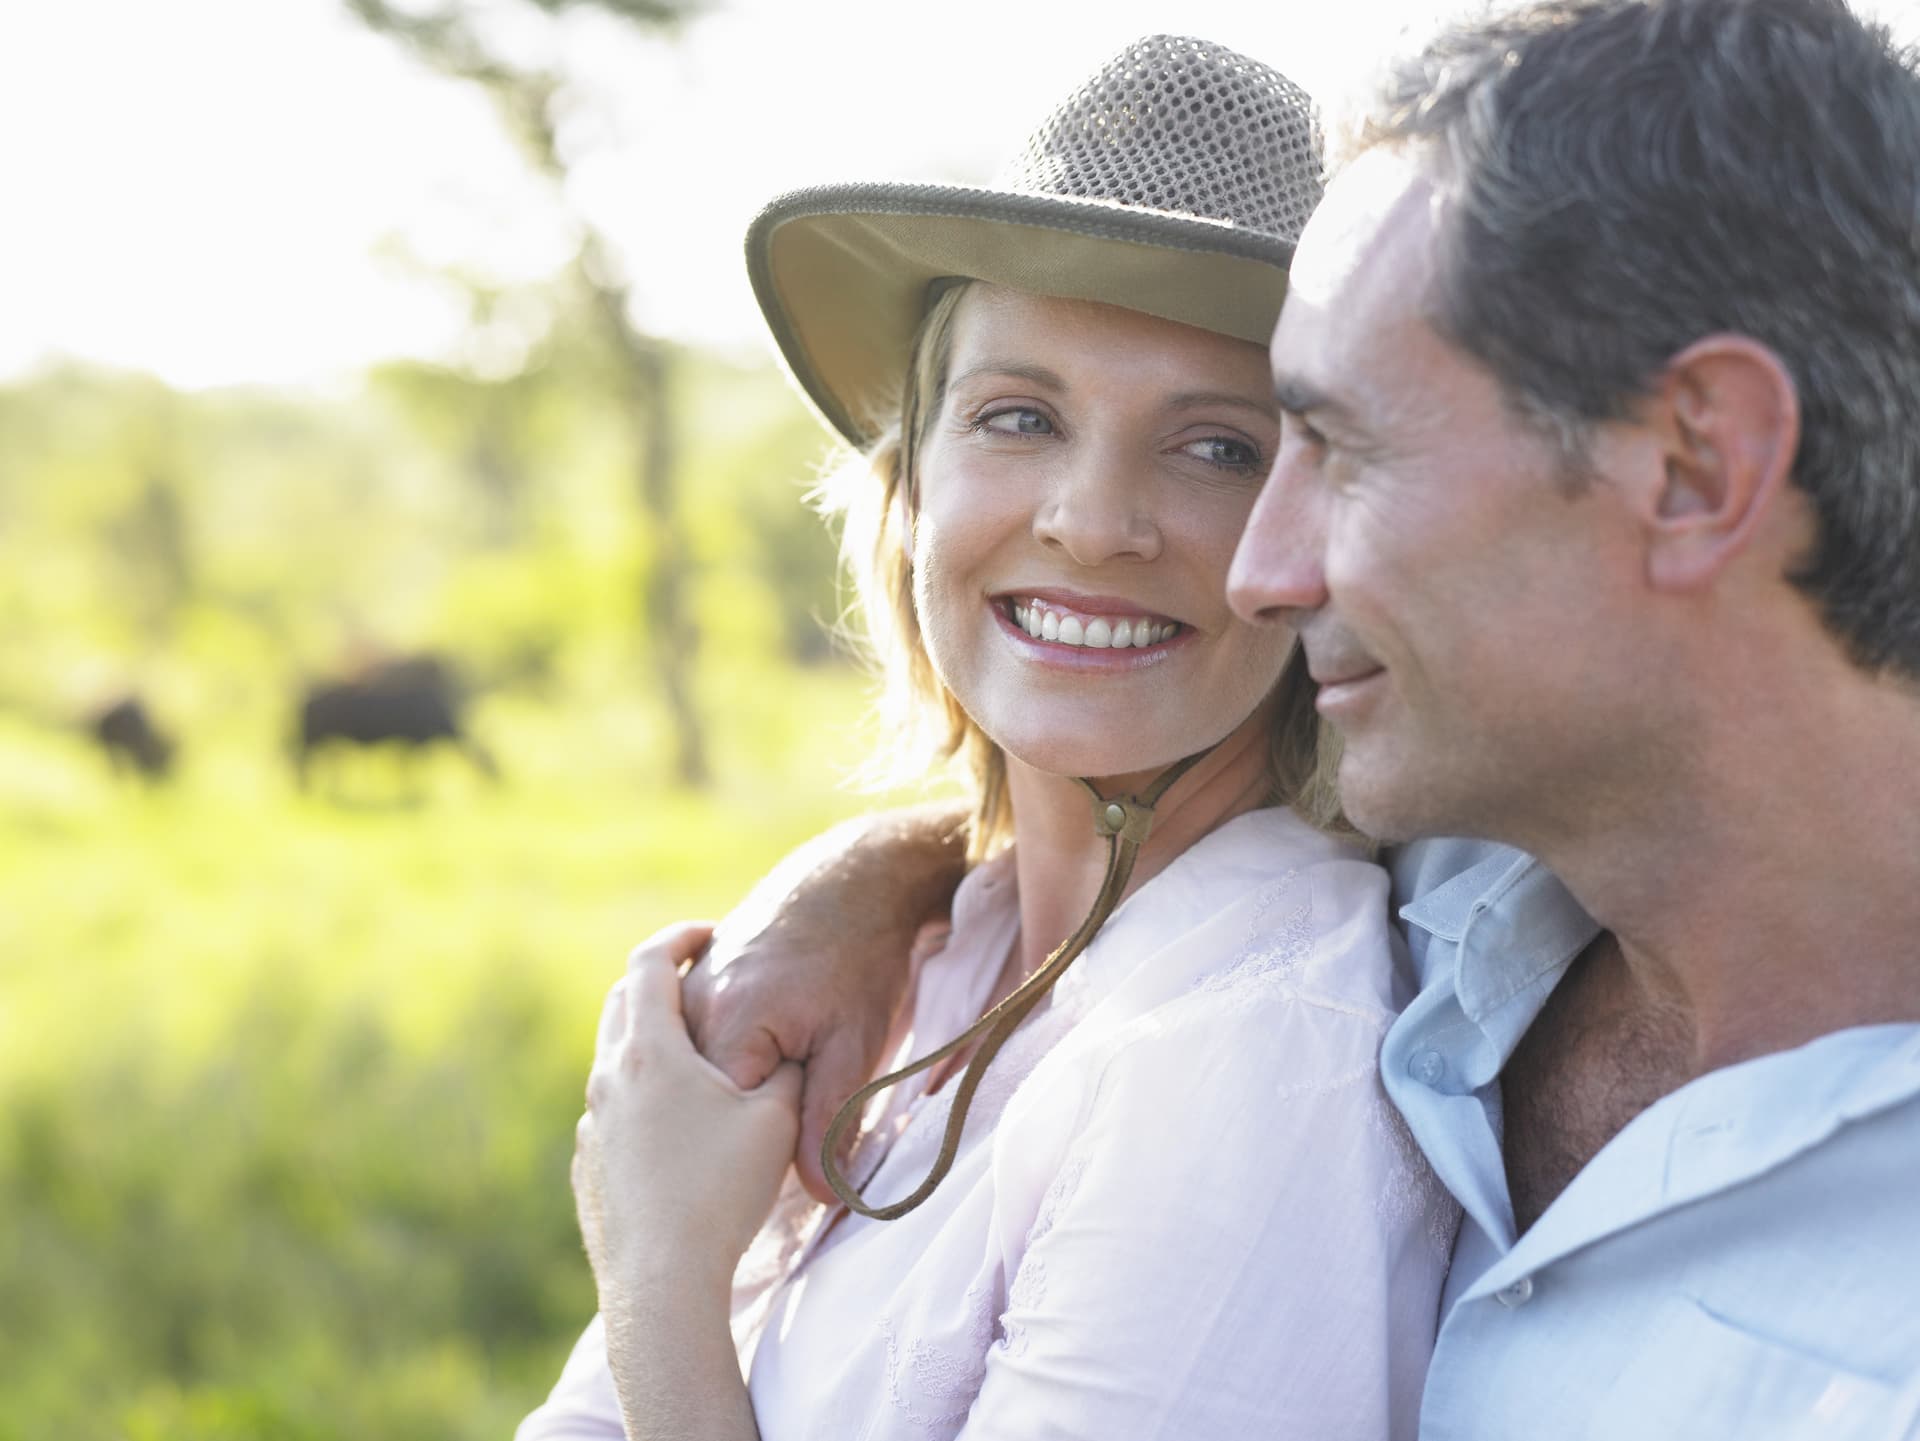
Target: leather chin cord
{"type": "Point", "coordinates": [1125, 822]}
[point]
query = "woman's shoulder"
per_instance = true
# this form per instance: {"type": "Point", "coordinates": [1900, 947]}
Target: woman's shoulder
{"type": "Point", "coordinates": [1260, 843]}
{"type": "Point", "coordinates": [1261, 962]}
{"type": "Point", "coordinates": [1268, 912]}
{"type": "Point", "coordinates": [1298, 998]}
{"type": "Point", "coordinates": [1272, 1029]}
{"type": "Point", "coordinates": [1257, 1051]}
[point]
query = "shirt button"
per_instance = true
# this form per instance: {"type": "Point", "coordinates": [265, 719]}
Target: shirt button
{"type": "Point", "coordinates": [1518, 1294]}
{"type": "Point", "coordinates": [1427, 1068]}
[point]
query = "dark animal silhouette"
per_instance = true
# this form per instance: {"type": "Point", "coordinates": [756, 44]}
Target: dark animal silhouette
{"type": "Point", "coordinates": [131, 740]}
{"type": "Point", "coordinates": [413, 701]}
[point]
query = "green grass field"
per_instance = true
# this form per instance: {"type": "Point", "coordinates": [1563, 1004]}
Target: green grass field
{"type": "Point", "coordinates": [288, 1082]}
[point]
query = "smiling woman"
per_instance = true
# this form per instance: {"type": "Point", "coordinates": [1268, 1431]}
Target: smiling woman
{"type": "Point", "coordinates": [1083, 478]}
{"type": "Point", "coordinates": [1145, 1108]}
{"type": "Point", "coordinates": [1127, 422]}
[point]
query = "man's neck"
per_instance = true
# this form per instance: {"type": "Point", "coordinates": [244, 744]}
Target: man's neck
{"type": "Point", "coordinates": [1595, 1057]}
{"type": "Point", "coordinates": [1774, 896]}
{"type": "Point", "coordinates": [1754, 900]}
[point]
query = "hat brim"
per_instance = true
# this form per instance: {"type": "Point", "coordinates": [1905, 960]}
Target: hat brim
{"type": "Point", "coordinates": [842, 274]}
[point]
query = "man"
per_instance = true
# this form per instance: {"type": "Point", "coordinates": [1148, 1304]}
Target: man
{"type": "Point", "coordinates": [1598, 515]}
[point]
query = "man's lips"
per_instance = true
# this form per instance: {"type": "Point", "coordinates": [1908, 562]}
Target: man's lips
{"type": "Point", "coordinates": [1346, 688]}
{"type": "Point", "coordinates": [1343, 675]}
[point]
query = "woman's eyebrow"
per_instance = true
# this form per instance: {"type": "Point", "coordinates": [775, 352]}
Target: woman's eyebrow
{"type": "Point", "coordinates": [1011, 369]}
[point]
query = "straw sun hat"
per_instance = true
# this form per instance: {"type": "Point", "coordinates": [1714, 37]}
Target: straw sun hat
{"type": "Point", "coordinates": [1174, 182]}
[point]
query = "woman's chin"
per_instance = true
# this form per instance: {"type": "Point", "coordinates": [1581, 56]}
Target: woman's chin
{"type": "Point", "coordinates": [1093, 761]}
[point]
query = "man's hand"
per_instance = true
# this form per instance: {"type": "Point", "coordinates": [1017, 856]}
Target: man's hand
{"type": "Point", "coordinates": [812, 966]}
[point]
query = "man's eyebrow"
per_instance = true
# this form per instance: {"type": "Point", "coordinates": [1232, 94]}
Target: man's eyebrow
{"type": "Point", "coordinates": [1014, 369]}
{"type": "Point", "coordinates": [1297, 397]}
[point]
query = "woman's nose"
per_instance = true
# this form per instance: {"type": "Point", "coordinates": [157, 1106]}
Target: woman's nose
{"type": "Point", "coordinates": [1098, 508]}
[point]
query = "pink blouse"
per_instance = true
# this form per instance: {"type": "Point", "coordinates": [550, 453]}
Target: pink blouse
{"type": "Point", "coordinates": [1182, 1206]}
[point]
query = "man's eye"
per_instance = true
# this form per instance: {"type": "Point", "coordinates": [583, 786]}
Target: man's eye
{"type": "Point", "coordinates": [1296, 427]}
{"type": "Point", "coordinates": [1017, 422]}
{"type": "Point", "coordinates": [1225, 451]}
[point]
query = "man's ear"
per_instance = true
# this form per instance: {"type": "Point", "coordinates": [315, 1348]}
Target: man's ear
{"type": "Point", "coordinates": [1726, 415]}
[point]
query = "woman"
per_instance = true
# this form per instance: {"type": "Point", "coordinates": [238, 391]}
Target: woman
{"type": "Point", "coordinates": [1178, 1204]}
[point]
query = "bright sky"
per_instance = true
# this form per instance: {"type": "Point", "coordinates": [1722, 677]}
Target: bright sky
{"type": "Point", "coordinates": [229, 191]}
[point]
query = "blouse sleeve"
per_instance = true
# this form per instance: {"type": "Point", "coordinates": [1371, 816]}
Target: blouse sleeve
{"type": "Point", "coordinates": [1241, 1240]}
{"type": "Point", "coordinates": [583, 1405]}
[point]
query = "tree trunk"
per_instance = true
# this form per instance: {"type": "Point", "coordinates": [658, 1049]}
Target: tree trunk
{"type": "Point", "coordinates": [668, 616]}
{"type": "Point", "coordinates": [446, 39]}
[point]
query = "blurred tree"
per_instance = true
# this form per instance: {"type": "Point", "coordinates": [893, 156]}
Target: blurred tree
{"type": "Point", "coordinates": [451, 38]}
{"type": "Point", "coordinates": [766, 449]}
{"type": "Point", "coordinates": [485, 422]}
{"type": "Point", "coordinates": [151, 537]}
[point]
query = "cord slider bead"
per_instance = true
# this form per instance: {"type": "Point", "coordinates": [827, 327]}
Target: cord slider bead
{"type": "Point", "coordinates": [1126, 818]}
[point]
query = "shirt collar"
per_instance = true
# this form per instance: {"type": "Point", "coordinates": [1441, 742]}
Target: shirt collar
{"type": "Point", "coordinates": [1721, 1130]}
{"type": "Point", "coordinates": [1513, 924]}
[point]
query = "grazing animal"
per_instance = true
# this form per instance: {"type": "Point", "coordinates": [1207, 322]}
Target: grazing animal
{"type": "Point", "coordinates": [132, 741]}
{"type": "Point", "coordinates": [414, 701]}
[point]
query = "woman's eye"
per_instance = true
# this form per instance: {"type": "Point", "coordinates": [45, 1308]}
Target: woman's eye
{"type": "Point", "coordinates": [1225, 451]}
{"type": "Point", "coordinates": [1017, 422]}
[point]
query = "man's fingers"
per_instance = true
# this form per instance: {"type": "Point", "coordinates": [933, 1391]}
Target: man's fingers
{"type": "Point", "coordinates": [834, 1073]}
{"type": "Point", "coordinates": [696, 997]}
{"type": "Point", "coordinates": [731, 1034]}
{"type": "Point", "coordinates": [747, 1057]}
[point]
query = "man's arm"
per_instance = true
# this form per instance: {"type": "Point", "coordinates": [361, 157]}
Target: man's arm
{"type": "Point", "coordinates": [811, 967]}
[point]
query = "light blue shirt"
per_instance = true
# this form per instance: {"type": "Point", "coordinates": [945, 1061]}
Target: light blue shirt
{"type": "Point", "coordinates": [1742, 1261]}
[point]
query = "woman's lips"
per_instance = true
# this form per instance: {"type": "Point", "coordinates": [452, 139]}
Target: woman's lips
{"type": "Point", "coordinates": [1078, 655]}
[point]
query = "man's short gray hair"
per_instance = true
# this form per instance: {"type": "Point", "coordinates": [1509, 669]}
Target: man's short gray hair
{"type": "Point", "coordinates": [1622, 177]}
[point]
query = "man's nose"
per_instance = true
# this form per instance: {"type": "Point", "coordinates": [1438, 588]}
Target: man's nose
{"type": "Point", "coordinates": [1099, 507]}
{"type": "Point", "coordinates": [1278, 567]}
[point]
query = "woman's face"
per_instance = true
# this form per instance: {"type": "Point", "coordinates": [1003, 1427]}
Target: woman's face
{"type": "Point", "coordinates": [1078, 500]}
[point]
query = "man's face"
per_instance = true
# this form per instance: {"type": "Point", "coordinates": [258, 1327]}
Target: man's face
{"type": "Point", "coordinates": [1457, 596]}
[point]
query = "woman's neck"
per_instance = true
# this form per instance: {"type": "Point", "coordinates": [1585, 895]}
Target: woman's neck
{"type": "Point", "coordinates": [1060, 860]}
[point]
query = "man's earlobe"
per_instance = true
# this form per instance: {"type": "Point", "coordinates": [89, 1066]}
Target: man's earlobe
{"type": "Point", "coordinates": [1728, 416]}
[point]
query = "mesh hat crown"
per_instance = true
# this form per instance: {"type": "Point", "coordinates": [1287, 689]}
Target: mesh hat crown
{"type": "Point", "coordinates": [1175, 181]}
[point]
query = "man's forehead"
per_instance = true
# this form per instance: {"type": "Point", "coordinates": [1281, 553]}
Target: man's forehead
{"type": "Point", "coordinates": [1371, 211]}
{"type": "Point", "coordinates": [1362, 267]}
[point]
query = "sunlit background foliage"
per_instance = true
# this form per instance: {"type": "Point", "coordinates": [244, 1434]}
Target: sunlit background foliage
{"type": "Point", "coordinates": [288, 1079]}
{"type": "Point", "coordinates": [288, 1076]}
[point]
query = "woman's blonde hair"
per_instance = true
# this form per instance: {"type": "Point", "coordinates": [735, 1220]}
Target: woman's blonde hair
{"type": "Point", "coordinates": [871, 493]}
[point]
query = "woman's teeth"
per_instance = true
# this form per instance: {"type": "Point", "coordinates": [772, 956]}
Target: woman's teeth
{"type": "Point", "coordinates": [1098, 633]}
